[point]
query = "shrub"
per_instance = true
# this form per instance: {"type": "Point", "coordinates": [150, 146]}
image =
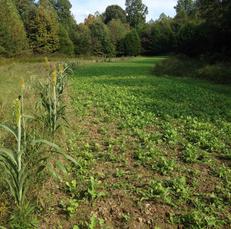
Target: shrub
{"type": "Point", "coordinates": [187, 67]}
{"type": "Point", "coordinates": [217, 73]}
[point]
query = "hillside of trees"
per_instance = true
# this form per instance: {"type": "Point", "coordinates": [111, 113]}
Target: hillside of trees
{"type": "Point", "coordinates": [200, 28]}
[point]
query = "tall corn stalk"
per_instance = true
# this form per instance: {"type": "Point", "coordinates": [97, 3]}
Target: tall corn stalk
{"type": "Point", "coordinates": [11, 160]}
{"type": "Point", "coordinates": [51, 96]}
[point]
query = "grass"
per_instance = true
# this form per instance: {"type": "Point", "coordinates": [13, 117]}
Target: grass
{"type": "Point", "coordinates": [151, 151]}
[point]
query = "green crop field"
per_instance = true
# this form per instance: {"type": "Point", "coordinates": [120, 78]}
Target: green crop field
{"type": "Point", "coordinates": [151, 151]}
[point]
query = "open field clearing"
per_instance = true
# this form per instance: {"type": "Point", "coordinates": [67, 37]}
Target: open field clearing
{"type": "Point", "coordinates": [150, 152]}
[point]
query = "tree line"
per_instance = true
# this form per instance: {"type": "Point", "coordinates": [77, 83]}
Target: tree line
{"type": "Point", "coordinates": [200, 27]}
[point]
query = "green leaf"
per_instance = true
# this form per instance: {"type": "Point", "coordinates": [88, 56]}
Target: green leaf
{"type": "Point", "coordinates": [8, 129]}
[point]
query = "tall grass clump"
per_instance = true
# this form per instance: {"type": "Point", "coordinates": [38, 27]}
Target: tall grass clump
{"type": "Point", "coordinates": [51, 94]}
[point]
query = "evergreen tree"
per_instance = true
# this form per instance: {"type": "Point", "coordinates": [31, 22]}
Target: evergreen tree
{"type": "Point", "coordinates": [24, 8]}
{"type": "Point", "coordinates": [136, 12]}
{"type": "Point", "coordinates": [185, 8]}
{"type": "Point", "coordinates": [12, 33]}
{"type": "Point", "coordinates": [66, 46]}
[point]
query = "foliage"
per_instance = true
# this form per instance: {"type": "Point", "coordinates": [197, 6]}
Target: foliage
{"type": "Point", "coordinates": [131, 44]}
{"type": "Point", "coordinates": [136, 12]}
{"type": "Point", "coordinates": [13, 38]}
{"type": "Point", "coordinates": [185, 67]}
{"type": "Point", "coordinates": [185, 8]}
{"type": "Point", "coordinates": [44, 29]}
{"type": "Point", "coordinates": [118, 31]}
{"type": "Point", "coordinates": [126, 125]}
{"type": "Point", "coordinates": [66, 46]}
{"type": "Point", "coordinates": [177, 127]}
{"type": "Point", "coordinates": [100, 39]}
{"type": "Point", "coordinates": [83, 40]}
{"type": "Point", "coordinates": [92, 189]}
{"type": "Point", "coordinates": [114, 12]}
{"type": "Point", "coordinates": [51, 96]}
{"type": "Point", "coordinates": [23, 217]}
{"type": "Point", "coordinates": [70, 207]}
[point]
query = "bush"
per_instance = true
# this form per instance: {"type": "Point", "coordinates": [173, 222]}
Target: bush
{"type": "Point", "coordinates": [187, 67]}
{"type": "Point", "coordinates": [218, 73]}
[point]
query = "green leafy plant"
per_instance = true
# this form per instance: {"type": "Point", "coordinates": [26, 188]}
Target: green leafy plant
{"type": "Point", "coordinates": [224, 173]}
{"type": "Point", "coordinates": [157, 191]}
{"type": "Point", "coordinates": [51, 94]}
{"type": "Point", "coordinates": [164, 166]}
{"type": "Point", "coordinates": [70, 207]}
{"type": "Point", "coordinates": [15, 161]}
{"type": "Point", "coordinates": [180, 188]}
{"type": "Point", "coordinates": [119, 173]}
{"type": "Point", "coordinates": [72, 187]}
{"type": "Point", "coordinates": [11, 160]}
{"type": "Point", "coordinates": [190, 154]}
{"type": "Point", "coordinates": [92, 189]}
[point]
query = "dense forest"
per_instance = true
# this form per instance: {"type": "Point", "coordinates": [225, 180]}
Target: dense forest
{"type": "Point", "coordinates": [200, 28]}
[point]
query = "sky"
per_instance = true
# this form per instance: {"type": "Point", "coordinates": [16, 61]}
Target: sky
{"type": "Point", "coordinates": [82, 8]}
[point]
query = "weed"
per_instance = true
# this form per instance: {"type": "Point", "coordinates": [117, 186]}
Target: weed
{"type": "Point", "coordinates": [164, 166]}
{"type": "Point", "coordinates": [93, 189]}
{"type": "Point", "coordinates": [190, 154]}
{"type": "Point", "coordinates": [72, 187]}
{"type": "Point", "coordinates": [23, 217]}
{"type": "Point", "coordinates": [157, 191]}
{"type": "Point", "coordinates": [119, 173]}
{"type": "Point", "coordinates": [70, 207]}
{"type": "Point", "coordinates": [180, 188]}
{"type": "Point", "coordinates": [225, 174]}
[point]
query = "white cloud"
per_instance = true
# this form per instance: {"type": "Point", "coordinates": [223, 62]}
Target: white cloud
{"type": "Point", "coordinates": [81, 8]}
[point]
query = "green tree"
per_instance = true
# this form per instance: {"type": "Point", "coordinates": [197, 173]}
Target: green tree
{"type": "Point", "coordinates": [163, 37]}
{"type": "Point", "coordinates": [146, 39]}
{"type": "Point", "coordinates": [12, 33]}
{"type": "Point", "coordinates": [65, 17]}
{"type": "Point", "coordinates": [66, 46]}
{"type": "Point", "coordinates": [100, 39]}
{"type": "Point", "coordinates": [114, 12]}
{"type": "Point", "coordinates": [132, 44]}
{"type": "Point", "coordinates": [216, 17]}
{"type": "Point", "coordinates": [136, 12]}
{"type": "Point", "coordinates": [83, 40]}
{"type": "Point", "coordinates": [44, 29]}
{"type": "Point", "coordinates": [191, 38]}
{"type": "Point", "coordinates": [118, 31]}
{"type": "Point", "coordinates": [185, 8]}
{"type": "Point", "coordinates": [24, 7]}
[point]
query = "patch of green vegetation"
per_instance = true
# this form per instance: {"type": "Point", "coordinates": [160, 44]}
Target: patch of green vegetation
{"type": "Point", "coordinates": [194, 68]}
{"type": "Point", "coordinates": [169, 127]}
{"type": "Point", "coordinates": [142, 144]}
